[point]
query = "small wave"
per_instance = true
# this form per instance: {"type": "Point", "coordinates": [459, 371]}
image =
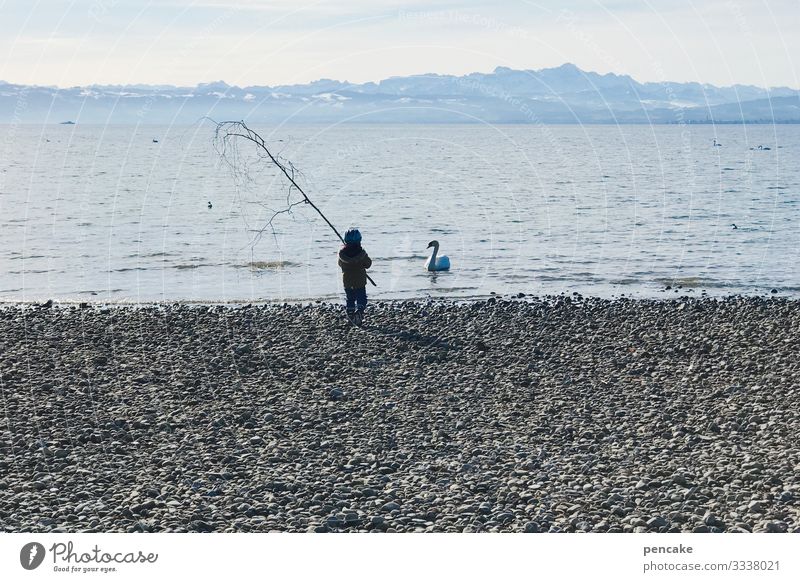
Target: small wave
{"type": "Point", "coordinates": [24, 257]}
{"type": "Point", "coordinates": [267, 265]}
{"type": "Point", "coordinates": [569, 277]}
{"type": "Point", "coordinates": [690, 282]}
{"type": "Point", "coordinates": [148, 256]}
{"type": "Point", "coordinates": [186, 266]}
{"type": "Point", "coordinates": [451, 289]}
{"type": "Point", "coordinates": [401, 257]}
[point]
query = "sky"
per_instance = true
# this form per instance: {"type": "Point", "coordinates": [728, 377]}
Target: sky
{"type": "Point", "coordinates": [273, 42]}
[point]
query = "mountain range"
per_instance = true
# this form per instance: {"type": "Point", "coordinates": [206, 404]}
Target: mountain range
{"type": "Point", "coordinates": [564, 94]}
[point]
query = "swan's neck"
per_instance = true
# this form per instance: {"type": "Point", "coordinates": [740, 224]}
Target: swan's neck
{"type": "Point", "coordinates": [433, 255]}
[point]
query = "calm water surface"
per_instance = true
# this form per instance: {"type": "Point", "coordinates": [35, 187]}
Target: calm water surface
{"type": "Point", "coordinates": [107, 214]}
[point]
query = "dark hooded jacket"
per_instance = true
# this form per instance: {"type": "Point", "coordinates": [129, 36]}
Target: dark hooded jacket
{"type": "Point", "coordinates": [354, 262]}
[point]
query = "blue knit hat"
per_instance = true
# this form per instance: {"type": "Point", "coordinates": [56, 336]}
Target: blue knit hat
{"type": "Point", "coordinates": [353, 235]}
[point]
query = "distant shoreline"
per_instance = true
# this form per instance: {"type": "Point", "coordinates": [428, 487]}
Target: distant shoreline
{"type": "Point", "coordinates": [553, 95]}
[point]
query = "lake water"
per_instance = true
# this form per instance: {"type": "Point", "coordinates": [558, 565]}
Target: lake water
{"type": "Point", "coordinates": [107, 214]}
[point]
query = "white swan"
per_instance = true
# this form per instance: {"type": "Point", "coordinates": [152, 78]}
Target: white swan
{"type": "Point", "coordinates": [435, 263]}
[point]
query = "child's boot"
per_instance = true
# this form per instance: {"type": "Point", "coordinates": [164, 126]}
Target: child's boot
{"type": "Point", "coordinates": [351, 316]}
{"type": "Point", "coordinates": [359, 316]}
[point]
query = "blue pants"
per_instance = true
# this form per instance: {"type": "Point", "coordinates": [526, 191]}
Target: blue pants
{"type": "Point", "coordinates": [356, 297]}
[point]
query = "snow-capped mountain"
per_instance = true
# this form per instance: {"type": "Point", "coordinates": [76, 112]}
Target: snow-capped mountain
{"type": "Point", "coordinates": [564, 94]}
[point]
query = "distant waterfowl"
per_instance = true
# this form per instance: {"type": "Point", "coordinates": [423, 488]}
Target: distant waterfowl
{"type": "Point", "coordinates": [734, 226]}
{"type": "Point", "coordinates": [210, 205]}
{"type": "Point", "coordinates": [717, 144]}
{"type": "Point", "coordinates": [155, 140]}
{"type": "Point", "coordinates": [436, 263]}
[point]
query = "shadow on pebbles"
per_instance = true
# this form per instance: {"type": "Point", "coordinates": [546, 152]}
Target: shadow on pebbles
{"type": "Point", "coordinates": [546, 415]}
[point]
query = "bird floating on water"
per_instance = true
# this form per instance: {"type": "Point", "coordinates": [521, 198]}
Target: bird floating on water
{"type": "Point", "coordinates": [734, 226]}
{"type": "Point", "coordinates": [717, 144]}
{"type": "Point", "coordinates": [436, 263]}
{"type": "Point", "coordinates": [155, 140]}
{"type": "Point", "coordinates": [210, 205]}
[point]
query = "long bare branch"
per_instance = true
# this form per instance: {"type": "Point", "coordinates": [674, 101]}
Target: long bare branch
{"type": "Point", "coordinates": [226, 131]}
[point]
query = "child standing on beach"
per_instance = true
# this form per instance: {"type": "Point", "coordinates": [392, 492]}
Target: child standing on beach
{"type": "Point", "coordinates": [354, 262]}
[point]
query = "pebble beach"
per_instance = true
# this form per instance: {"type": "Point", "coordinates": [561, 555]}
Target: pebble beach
{"type": "Point", "coordinates": [551, 414]}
